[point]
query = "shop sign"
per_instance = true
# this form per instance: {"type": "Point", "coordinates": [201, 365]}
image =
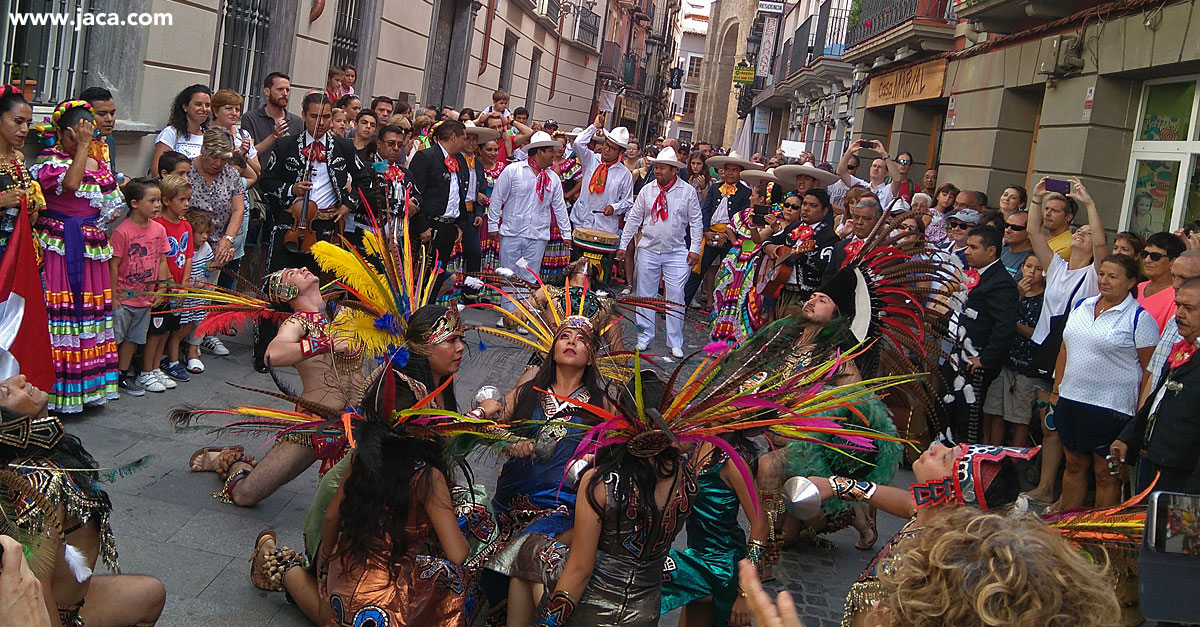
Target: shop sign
{"type": "Point", "coordinates": [762, 120]}
{"type": "Point", "coordinates": [766, 51]}
{"type": "Point", "coordinates": [919, 82]}
{"type": "Point", "coordinates": [629, 109]}
{"type": "Point", "coordinates": [766, 6]}
{"type": "Point", "coordinates": [743, 74]}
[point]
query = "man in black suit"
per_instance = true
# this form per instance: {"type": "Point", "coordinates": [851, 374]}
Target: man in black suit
{"type": "Point", "coordinates": [863, 218]}
{"type": "Point", "coordinates": [439, 179]}
{"type": "Point", "coordinates": [724, 199]}
{"type": "Point", "coordinates": [336, 176]}
{"type": "Point", "coordinates": [989, 320]}
{"type": "Point", "coordinates": [1165, 435]}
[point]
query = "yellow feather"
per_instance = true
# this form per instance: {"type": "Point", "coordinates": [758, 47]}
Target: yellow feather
{"type": "Point", "coordinates": [351, 271]}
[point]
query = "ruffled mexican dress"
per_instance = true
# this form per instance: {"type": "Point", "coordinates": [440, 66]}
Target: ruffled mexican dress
{"type": "Point", "coordinates": [737, 305]}
{"type": "Point", "coordinates": [558, 255]}
{"type": "Point", "coordinates": [75, 275]}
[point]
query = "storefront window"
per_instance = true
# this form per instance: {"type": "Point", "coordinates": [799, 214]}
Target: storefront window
{"type": "Point", "coordinates": [1153, 196]}
{"type": "Point", "coordinates": [1167, 112]}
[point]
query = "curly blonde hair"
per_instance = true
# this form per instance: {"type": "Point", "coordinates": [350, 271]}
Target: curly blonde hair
{"type": "Point", "coordinates": [970, 568]}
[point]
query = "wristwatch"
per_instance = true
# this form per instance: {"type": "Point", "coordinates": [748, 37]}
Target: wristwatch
{"type": "Point", "coordinates": [229, 238]}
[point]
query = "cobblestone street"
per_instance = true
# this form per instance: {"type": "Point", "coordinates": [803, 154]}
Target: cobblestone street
{"type": "Point", "coordinates": [168, 525]}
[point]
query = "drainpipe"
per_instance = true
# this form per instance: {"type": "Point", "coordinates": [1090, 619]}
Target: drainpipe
{"type": "Point", "coordinates": [487, 35]}
{"type": "Point", "coordinates": [557, 50]}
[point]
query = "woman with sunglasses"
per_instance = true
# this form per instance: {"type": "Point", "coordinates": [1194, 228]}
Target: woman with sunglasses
{"type": "Point", "coordinates": [1155, 294]}
{"type": "Point", "coordinates": [1067, 282]}
{"type": "Point", "coordinates": [907, 187]}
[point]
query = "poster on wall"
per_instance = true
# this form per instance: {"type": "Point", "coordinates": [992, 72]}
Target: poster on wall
{"type": "Point", "coordinates": [1167, 112]}
{"type": "Point", "coordinates": [762, 120]}
{"type": "Point", "coordinates": [1153, 196]}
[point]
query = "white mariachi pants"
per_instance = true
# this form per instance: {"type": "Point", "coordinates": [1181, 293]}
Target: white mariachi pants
{"type": "Point", "coordinates": [514, 248]}
{"type": "Point", "coordinates": [673, 269]}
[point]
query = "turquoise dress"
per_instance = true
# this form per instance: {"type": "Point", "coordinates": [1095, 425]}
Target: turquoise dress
{"type": "Point", "coordinates": [716, 542]}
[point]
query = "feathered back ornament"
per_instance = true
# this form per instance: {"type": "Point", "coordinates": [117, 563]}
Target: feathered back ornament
{"type": "Point", "coordinates": [721, 395]}
{"type": "Point", "coordinates": [1117, 527]}
{"type": "Point", "coordinates": [228, 310]}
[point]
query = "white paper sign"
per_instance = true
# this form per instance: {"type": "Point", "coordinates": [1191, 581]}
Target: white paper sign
{"type": "Point", "coordinates": [791, 148]}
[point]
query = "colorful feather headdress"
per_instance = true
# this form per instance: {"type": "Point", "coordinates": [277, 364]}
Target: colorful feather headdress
{"type": "Point", "coordinates": [228, 310]}
{"type": "Point", "coordinates": [1118, 527]}
{"type": "Point", "coordinates": [733, 391]}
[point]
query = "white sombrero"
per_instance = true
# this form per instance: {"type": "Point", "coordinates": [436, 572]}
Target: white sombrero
{"type": "Point", "coordinates": [482, 134]}
{"type": "Point", "coordinates": [733, 158]}
{"type": "Point", "coordinates": [667, 156]}
{"type": "Point", "coordinates": [754, 177]}
{"type": "Point", "coordinates": [540, 139]}
{"type": "Point", "coordinates": [789, 173]}
{"type": "Point", "coordinates": [618, 136]}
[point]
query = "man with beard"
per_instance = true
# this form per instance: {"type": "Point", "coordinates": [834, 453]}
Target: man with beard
{"type": "Point", "coordinates": [272, 121]}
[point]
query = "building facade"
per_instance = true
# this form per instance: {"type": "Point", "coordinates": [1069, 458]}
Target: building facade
{"type": "Point", "coordinates": [635, 62]}
{"type": "Point", "coordinates": [690, 62]}
{"type": "Point", "coordinates": [730, 23]}
{"type": "Point", "coordinates": [997, 93]}
{"type": "Point", "coordinates": [435, 52]}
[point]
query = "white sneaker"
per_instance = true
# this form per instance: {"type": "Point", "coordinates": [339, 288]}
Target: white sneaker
{"type": "Point", "coordinates": [149, 382]}
{"type": "Point", "coordinates": [642, 347]}
{"type": "Point", "coordinates": [522, 330]}
{"type": "Point", "coordinates": [677, 353]}
{"type": "Point", "coordinates": [195, 366]}
{"type": "Point", "coordinates": [213, 345]}
{"type": "Point", "coordinates": [167, 382]}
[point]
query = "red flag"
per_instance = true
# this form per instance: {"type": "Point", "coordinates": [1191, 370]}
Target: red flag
{"type": "Point", "coordinates": [23, 308]}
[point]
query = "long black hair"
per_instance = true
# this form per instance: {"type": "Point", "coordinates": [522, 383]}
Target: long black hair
{"type": "Point", "coordinates": [178, 117]}
{"type": "Point", "coordinates": [527, 397]}
{"type": "Point", "coordinates": [637, 477]}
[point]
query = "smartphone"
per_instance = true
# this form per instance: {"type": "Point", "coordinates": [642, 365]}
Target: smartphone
{"type": "Point", "coordinates": [760, 215]}
{"type": "Point", "coordinates": [1174, 523]}
{"type": "Point", "coordinates": [1058, 185]}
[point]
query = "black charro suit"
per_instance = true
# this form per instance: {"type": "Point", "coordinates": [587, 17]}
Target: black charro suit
{"type": "Point", "coordinates": [708, 206]}
{"type": "Point", "coordinates": [1174, 432]}
{"type": "Point", "coordinates": [431, 191]}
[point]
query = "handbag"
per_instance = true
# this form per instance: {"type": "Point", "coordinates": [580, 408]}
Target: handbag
{"type": "Point", "coordinates": [1045, 355]}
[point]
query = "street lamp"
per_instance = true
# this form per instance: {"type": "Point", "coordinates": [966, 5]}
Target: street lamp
{"type": "Point", "coordinates": [568, 8]}
{"type": "Point", "coordinates": [752, 43]}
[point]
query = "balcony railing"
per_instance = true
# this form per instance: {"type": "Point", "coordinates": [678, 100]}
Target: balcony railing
{"type": "Point", "coordinates": [781, 62]}
{"type": "Point", "coordinates": [640, 83]}
{"type": "Point", "coordinates": [46, 61]}
{"type": "Point", "coordinates": [587, 29]}
{"type": "Point", "coordinates": [877, 16]}
{"type": "Point", "coordinates": [610, 59]}
{"type": "Point", "coordinates": [802, 44]}
{"type": "Point", "coordinates": [835, 35]}
{"type": "Point", "coordinates": [549, 9]}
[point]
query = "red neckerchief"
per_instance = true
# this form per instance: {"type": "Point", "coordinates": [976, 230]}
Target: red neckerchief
{"type": "Point", "coordinates": [394, 173]}
{"type": "Point", "coordinates": [658, 212]}
{"type": "Point", "coordinates": [543, 179]}
{"type": "Point", "coordinates": [452, 164]}
{"type": "Point", "coordinates": [600, 176]}
{"type": "Point", "coordinates": [1181, 353]}
{"type": "Point", "coordinates": [315, 151]}
{"type": "Point", "coordinates": [971, 278]}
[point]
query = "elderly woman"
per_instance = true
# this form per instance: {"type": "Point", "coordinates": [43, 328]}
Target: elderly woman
{"type": "Point", "coordinates": [1107, 343]}
{"type": "Point", "coordinates": [226, 112]}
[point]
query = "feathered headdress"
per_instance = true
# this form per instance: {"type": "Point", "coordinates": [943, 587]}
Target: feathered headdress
{"type": "Point", "coordinates": [1117, 527]}
{"type": "Point", "coordinates": [727, 393]}
{"type": "Point", "coordinates": [976, 467]}
{"type": "Point", "coordinates": [227, 310]}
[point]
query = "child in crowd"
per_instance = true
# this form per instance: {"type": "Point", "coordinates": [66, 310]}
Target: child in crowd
{"type": "Point", "coordinates": [172, 162]}
{"type": "Point", "coordinates": [167, 329]}
{"type": "Point", "coordinates": [1010, 398]}
{"type": "Point", "coordinates": [339, 122]}
{"type": "Point", "coordinates": [139, 260]}
{"type": "Point", "coordinates": [499, 105]}
{"type": "Point", "coordinates": [201, 222]}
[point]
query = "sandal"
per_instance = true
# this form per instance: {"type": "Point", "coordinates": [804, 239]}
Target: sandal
{"type": "Point", "coordinates": [267, 568]}
{"type": "Point", "coordinates": [869, 514]}
{"type": "Point", "coordinates": [200, 462]}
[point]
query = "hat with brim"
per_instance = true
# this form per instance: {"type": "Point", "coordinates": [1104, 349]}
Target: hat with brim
{"type": "Point", "coordinates": [790, 172]}
{"type": "Point", "coordinates": [482, 134]}
{"type": "Point", "coordinates": [618, 136]}
{"type": "Point", "coordinates": [540, 139]}
{"type": "Point", "coordinates": [667, 156]}
{"type": "Point", "coordinates": [733, 158]}
{"type": "Point", "coordinates": [754, 177]}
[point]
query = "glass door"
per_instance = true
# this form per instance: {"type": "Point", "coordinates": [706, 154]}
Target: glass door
{"type": "Point", "coordinates": [1163, 184]}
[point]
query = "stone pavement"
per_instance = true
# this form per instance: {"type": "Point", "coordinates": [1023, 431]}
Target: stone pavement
{"type": "Point", "coordinates": [168, 525]}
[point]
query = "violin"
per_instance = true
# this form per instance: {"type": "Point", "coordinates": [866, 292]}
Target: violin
{"type": "Point", "coordinates": [307, 227]}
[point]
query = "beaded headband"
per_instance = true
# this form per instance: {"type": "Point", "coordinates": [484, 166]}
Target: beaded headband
{"type": "Point", "coordinates": [48, 129]}
{"type": "Point", "coordinates": [447, 327]}
{"type": "Point", "coordinates": [972, 478]}
{"type": "Point", "coordinates": [277, 289]}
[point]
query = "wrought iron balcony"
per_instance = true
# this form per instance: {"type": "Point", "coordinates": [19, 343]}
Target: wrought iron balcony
{"type": "Point", "coordinates": [587, 29]}
{"type": "Point", "coordinates": [610, 59]}
{"type": "Point", "coordinates": [879, 16]}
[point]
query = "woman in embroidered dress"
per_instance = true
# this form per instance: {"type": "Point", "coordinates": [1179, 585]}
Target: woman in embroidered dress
{"type": "Point", "coordinates": [534, 506]}
{"type": "Point", "coordinates": [489, 154]}
{"type": "Point", "coordinates": [82, 200]}
{"type": "Point", "coordinates": [50, 493]}
{"type": "Point", "coordinates": [558, 254]}
{"type": "Point", "coordinates": [737, 305]}
{"type": "Point", "coordinates": [18, 190]}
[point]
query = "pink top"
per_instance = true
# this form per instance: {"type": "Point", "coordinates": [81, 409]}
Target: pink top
{"type": "Point", "coordinates": [141, 250]}
{"type": "Point", "coordinates": [1161, 305]}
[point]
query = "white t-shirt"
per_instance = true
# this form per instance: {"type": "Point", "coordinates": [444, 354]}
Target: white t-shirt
{"type": "Point", "coordinates": [188, 146]}
{"type": "Point", "coordinates": [1060, 282]}
{"type": "Point", "coordinates": [1102, 366]}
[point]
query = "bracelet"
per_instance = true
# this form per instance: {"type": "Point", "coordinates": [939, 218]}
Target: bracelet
{"type": "Point", "coordinates": [557, 610]}
{"type": "Point", "coordinates": [848, 489]}
{"type": "Point", "coordinates": [478, 413]}
{"type": "Point", "coordinates": [226, 493]}
{"type": "Point", "coordinates": [310, 346]}
{"type": "Point", "coordinates": [756, 552]}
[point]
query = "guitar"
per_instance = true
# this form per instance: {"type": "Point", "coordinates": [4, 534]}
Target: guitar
{"type": "Point", "coordinates": [774, 273]}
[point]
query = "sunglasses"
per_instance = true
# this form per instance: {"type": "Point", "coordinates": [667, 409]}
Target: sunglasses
{"type": "Point", "coordinates": [955, 224]}
{"type": "Point", "coordinates": [1157, 256]}
{"type": "Point", "coordinates": [793, 205]}
{"type": "Point", "coordinates": [1016, 227]}
{"type": "Point", "coordinates": [904, 161]}
{"type": "Point", "coordinates": [852, 167]}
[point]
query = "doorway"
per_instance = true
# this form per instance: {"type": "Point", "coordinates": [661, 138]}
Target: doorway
{"type": "Point", "coordinates": [449, 50]}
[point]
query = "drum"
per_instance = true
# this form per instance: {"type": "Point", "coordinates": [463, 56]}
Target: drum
{"type": "Point", "coordinates": [598, 246]}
